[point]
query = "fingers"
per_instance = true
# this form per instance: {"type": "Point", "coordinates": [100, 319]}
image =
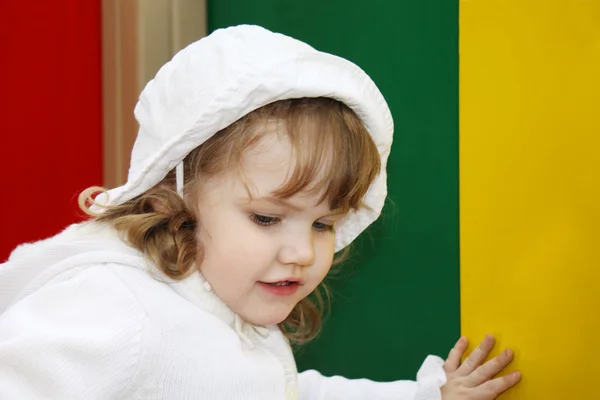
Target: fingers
{"type": "Point", "coordinates": [475, 378]}
{"type": "Point", "coordinates": [453, 360]}
{"type": "Point", "coordinates": [476, 358]}
{"type": "Point", "coordinates": [490, 369]}
{"type": "Point", "coordinates": [500, 385]}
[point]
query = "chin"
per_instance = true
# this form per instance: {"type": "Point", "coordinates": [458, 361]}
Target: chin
{"type": "Point", "coordinates": [265, 320]}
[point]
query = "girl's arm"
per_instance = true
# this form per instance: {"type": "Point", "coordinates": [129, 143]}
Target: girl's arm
{"type": "Point", "coordinates": [430, 378]}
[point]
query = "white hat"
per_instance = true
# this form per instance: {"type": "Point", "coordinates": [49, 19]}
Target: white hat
{"type": "Point", "coordinates": [215, 81]}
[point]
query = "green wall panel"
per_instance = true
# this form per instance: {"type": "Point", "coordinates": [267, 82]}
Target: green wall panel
{"type": "Point", "coordinates": [397, 300]}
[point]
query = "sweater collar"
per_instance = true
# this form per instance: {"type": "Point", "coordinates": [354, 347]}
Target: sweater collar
{"type": "Point", "coordinates": [196, 289]}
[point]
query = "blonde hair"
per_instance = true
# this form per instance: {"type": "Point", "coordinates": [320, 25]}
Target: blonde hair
{"type": "Point", "coordinates": [326, 135]}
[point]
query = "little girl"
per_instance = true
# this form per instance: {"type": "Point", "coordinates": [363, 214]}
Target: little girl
{"type": "Point", "coordinates": [257, 159]}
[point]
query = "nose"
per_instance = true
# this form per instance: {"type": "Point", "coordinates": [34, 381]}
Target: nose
{"type": "Point", "coordinates": [297, 249]}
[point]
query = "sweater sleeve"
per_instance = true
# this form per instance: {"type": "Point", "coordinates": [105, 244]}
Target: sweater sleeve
{"type": "Point", "coordinates": [77, 337]}
{"type": "Point", "coordinates": [430, 378]}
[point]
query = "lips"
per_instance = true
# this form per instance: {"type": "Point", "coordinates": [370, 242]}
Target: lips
{"type": "Point", "coordinates": [281, 288]}
{"type": "Point", "coordinates": [285, 281]}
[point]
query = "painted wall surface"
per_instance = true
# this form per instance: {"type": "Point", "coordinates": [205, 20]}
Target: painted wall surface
{"type": "Point", "coordinates": [529, 171]}
{"type": "Point", "coordinates": [530, 188]}
{"type": "Point", "coordinates": [398, 300]}
{"type": "Point", "coordinates": [50, 110]}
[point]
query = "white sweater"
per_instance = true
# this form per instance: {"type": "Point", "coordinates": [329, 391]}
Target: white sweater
{"type": "Point", "coordinates": [84, 316]}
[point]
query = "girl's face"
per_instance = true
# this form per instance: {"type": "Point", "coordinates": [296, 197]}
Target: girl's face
{"type": "Point", "coordinates": [262, 255]}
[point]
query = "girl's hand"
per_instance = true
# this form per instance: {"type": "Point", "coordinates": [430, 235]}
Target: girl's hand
{"type": "Point", "coordinates": [472, 380]}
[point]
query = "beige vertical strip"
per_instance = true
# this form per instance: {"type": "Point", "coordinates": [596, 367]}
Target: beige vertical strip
{"type": "Point", "coordinates": [189, 21]}
{"type": "Point", "coordinates": [155, 31]}
{"type": "Point", "coordinates": [110, 95]}
{"type": "Point", "coordinates": [139, 36]}
{"type": "Point", "coordinates": [120, 86]}
{"type": "Point", "coordinates": [129, 88]}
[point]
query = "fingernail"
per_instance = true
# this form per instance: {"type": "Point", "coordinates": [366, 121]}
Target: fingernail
{"type": "Point", "coordinates": [516, 375]}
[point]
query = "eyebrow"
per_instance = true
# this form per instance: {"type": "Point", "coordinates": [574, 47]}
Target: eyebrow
{"type": "Point", "coordinates": [287, 204]}
{"type": "Point", "coordinates": [280, 202]}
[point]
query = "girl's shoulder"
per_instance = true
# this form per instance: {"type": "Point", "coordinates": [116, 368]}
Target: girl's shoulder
{"type": "Point", "coordinates": [86, 326]}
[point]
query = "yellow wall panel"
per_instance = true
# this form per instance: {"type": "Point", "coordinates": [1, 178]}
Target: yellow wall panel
{"type": "Point", "coordinates": [530, 188]}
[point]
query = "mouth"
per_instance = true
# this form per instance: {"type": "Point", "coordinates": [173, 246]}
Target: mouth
{"type": "Point", "coordinates": [281, 288]}
{"type": "Point", "coordinates": [282, 283]}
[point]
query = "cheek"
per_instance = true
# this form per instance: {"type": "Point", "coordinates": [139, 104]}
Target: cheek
{"type": "Point", "coordinates": [234, 246]}
{"type": "Point", "coordinates": [222, 230]}
{"type": "Point", "coordinates": [224, 265]}
{"type": "Point", "coordinates": [327, 248]}
{"type": "Point", "coordinates": [221, 249]}
{"type": "Point", "coordinates": [324, 258]}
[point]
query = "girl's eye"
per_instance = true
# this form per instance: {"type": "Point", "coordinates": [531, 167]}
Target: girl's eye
{"type": "Point", "coordinates": [264, 220]}
{"type": "Point", "coordinates": [322, 227]}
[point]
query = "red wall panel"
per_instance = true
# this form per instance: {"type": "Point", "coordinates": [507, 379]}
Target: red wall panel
{"type": "Point", "coordinates": [50, 110]}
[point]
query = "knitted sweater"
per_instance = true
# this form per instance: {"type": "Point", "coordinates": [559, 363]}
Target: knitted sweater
{"type": "Point", "coordinates": [85, 316]}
